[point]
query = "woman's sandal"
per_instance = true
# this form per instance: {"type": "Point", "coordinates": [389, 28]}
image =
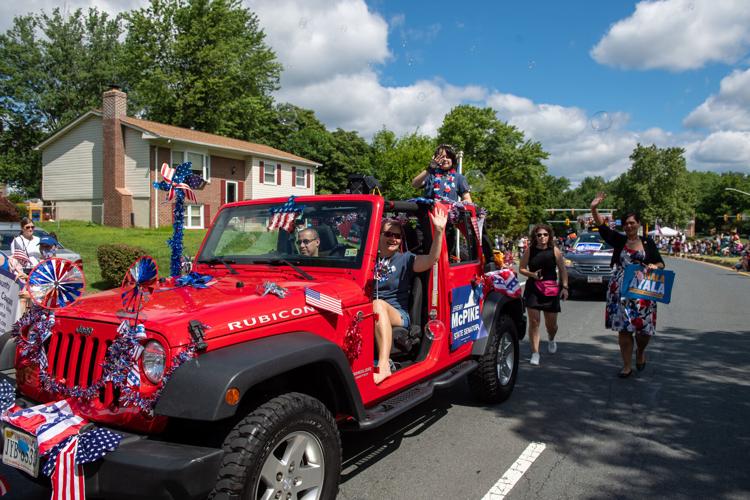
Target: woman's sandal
{"type": "Point", "coordinates": [641, 366]}
{"type": "Point", "coordinates": [625, 375]}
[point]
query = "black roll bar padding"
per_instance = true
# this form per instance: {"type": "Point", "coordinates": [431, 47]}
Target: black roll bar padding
{"type": "Point", "coordinates": [401, 206]}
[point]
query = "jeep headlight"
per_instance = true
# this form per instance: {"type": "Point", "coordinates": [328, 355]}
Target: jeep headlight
{"type": "Point", "coordinates": [568, 263]}
{"type": "Point", "coordinates": [154, 360]}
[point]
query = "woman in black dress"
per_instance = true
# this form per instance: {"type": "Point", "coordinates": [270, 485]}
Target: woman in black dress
{"type": "Point", "coordinates": [542, 262]}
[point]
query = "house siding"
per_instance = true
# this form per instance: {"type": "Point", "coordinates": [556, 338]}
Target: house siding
{"type": "Point", "coordinates": [136, 164]}
{"type": "Point", "coordinates": [257, 190]}
{"type": "Point", "coordinates": [72, 165]}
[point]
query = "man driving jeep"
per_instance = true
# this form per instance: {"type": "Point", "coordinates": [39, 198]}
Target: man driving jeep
{"type": "Point", "coordinates": [308, 242]}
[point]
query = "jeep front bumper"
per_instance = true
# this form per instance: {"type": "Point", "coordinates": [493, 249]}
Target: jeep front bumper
{"type": "Point", "coordinates": [143, 467]}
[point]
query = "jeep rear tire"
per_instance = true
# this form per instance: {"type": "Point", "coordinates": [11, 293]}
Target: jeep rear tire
{"type": "Point", "coordinates": [288, 448]}
{"type": "Point", "coordinates": [494, 379]}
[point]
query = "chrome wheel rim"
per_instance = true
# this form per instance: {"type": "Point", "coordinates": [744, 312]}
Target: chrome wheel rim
{"type": "Point", "coordinates": [505, 359]}
{"type": "Point", "coordinates": [294, 470]}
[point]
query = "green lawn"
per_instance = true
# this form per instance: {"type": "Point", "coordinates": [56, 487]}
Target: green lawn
{"type": "Point", "coordinates": [84, 238]}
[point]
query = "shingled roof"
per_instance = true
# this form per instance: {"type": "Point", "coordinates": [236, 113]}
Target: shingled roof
{"type": "Point", "coordinates": [164, 131]}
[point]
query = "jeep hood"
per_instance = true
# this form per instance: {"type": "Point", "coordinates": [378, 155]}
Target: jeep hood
{"type": "Point", "coordinates": [224, 307]}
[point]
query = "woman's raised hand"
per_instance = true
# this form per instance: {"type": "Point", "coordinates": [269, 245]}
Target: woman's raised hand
{"type": "Point", "coordinates": [598, 199]}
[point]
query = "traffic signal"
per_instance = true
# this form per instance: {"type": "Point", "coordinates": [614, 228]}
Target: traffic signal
{"type": "Point", "coordinates": [739, 217]}
{"type": "Point", "coordinates": [567, 222]}
{"type": "Point", "coordinates": [726, 217]}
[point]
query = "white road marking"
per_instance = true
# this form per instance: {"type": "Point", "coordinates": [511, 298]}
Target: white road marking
{"type": "Point", "coordinates": [515, 472]}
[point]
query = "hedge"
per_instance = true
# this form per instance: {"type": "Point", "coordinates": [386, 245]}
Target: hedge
{"type": "Point", "coordinates": [116, 259]}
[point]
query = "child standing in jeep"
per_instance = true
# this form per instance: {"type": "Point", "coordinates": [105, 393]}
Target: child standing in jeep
{"type": "Point", "coordinates": [440, 179]}
{"type": "Point", "coordinates": [393, 277]}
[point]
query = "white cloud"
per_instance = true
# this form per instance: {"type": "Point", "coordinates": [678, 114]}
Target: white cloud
{"type": "Point", "coordinates": [318, 39]}
{"type": "Point", "coordinates": [11, 9]}
{"type": "Point", "coordinates": [724, 149]}
{"type": "Point", "coordinates": [729, 109]}
{"type": "Point", "coordinates": [677, 35]}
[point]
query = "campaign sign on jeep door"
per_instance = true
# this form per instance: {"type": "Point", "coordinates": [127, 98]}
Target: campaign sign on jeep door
{"type": "Point", "coordinates": [466, 320]}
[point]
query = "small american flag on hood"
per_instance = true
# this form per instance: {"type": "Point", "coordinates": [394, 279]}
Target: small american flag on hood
{"type": "Point", "coordinates": [322, 301]}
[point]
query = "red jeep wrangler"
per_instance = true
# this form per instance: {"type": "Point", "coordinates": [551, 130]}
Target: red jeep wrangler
{"type": "Point", "coordinates": [257, 413]}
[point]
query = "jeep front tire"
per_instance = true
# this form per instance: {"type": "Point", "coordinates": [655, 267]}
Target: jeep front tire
{"type": "Point", "coordinates": [288, 448]}
{"type": "Point", "coordinates": [494, 379]}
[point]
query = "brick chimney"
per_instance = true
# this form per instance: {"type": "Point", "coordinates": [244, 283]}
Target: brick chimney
{"type": "Point", "coordinates": [118, 200]}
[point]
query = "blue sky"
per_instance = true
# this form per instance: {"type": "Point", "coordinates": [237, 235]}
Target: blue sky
{"type": "Point", "coordinates": [588, 79]}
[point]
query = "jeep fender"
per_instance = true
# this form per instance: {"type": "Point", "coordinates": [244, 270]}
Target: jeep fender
{"type": "Point", "coordinates": [196, 390]}
{"type": "Point", "coordinates": [496, 304]}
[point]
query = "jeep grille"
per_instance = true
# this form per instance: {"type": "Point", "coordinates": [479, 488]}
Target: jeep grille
{"type": "Point", "coordinates": [75, 359]}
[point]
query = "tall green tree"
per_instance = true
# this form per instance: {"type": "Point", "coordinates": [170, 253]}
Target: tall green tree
{"type": "Point", "coordinates": [201, 64]}
{"type": "Point", "coordinates": [53, 68]}
{"type": "Point", "coordinates": [714, 200]}
{"type": "Point", "coordinates": [656, 186]}
{"type": "Point", "coordinates": [397, 161]}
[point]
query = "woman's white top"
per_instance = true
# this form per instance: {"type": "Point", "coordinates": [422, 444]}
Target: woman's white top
{"type": "Point", "coordinates": [28, 247]}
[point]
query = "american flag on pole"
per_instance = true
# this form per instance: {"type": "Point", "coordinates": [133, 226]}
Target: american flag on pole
{"type": "Point", "coordinates": [323, 301]}
{"type": "Point", "coordinates": [51, 423]}
{"type": "Point", "coordinates": [67, 479]}
{"type": "Point", "coordinates": [283, 217]}
{"type": "Point", "coordinates": [20, 255]}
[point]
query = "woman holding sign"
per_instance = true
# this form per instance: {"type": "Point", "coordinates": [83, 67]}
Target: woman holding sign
{"type": "Point", "coordinates": [624, 315]}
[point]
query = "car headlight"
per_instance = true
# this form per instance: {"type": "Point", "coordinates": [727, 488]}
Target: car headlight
{"type": "Point", "coordinates": [154, 360]}
{"type": "Point", "coordinates": [568, 263]}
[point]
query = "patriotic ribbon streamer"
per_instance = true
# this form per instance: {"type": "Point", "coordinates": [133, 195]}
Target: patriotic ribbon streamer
{"type": "Point", "coordinates": [271, 287]}
{"type": "Point", "coordinates": [139, 283]}
{"type": "Point", "coordinates": [67, 479]}
{"type": "Point", "coordinates": [55, 283]}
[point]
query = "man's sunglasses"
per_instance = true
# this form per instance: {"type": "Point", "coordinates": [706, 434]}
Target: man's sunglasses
{"type": "Point", "coordinates": [395, 236]}
{"type": "Point", "coordinates": [305, 242]}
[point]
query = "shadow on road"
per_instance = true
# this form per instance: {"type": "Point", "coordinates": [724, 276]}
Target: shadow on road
{"type": "Point", "coordinates": [679, 428]}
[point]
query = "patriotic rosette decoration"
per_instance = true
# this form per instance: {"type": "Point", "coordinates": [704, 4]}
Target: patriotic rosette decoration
{"type": "Point", "coordinates": [503, 281]}
{"type": "Point", "coordinates": [181, 179]}
{"type": "Point", "coordinates": [283, 217]}
{"type": "Point", "coordinates": [139, 283]}
{"type": "Point", "coordinates": [55, 283]}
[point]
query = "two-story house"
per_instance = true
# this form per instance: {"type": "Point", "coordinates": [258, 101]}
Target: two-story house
{"type": "Point", "coordinates": [101, 167]}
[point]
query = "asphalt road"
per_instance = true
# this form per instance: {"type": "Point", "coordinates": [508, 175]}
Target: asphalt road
{"type": "Point", "coordinates": [679, 429]}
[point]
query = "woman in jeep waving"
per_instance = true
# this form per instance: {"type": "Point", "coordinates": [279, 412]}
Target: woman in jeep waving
{"type": "Point", "coordinates": [623, 315]}
{"type": "Point", "coordinates": [393, 278]}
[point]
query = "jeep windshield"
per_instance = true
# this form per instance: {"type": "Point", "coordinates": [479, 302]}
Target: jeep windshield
{"type": "Point", "coordinates": [318, 234]}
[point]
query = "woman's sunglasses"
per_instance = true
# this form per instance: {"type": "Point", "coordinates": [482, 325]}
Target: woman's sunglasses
{"type": "Point", "coordinates": [29, 227]}
{"type": "Point", "coordinates": [542, 235]}
{"type": "Point", "coordinates": [395, 236]}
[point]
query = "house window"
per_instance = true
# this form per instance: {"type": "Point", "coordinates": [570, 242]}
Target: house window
{"type": "Point", "coordinates": [194, 217]}
{"type": "Point", "coordinates": [231, 192]}
{"type": "Point", "coordinates": [269, 173]}
{"type": "Point", "coordinates": [201, 163]}
{"type": "Point", "coordinates": [300, 179]}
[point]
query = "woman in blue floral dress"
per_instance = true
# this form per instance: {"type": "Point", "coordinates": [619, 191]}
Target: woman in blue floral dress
{"type": "Point", "coordinates": [624, 315]}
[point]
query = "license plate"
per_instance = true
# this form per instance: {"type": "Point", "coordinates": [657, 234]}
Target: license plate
{"type": "Point", "coordinates": [20, 451]}
{"type": "Point", "coordinates": [594, 279]}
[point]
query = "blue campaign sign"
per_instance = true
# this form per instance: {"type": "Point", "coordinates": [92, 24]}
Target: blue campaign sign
{"type": "Point", "coordinates": [466, 318]}
{"type": "Point", "coordinates": [651, 285]}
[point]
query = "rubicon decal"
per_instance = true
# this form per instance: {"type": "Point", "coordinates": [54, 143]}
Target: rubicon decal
{"type": "Point", "coordinates": [270, 317]}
